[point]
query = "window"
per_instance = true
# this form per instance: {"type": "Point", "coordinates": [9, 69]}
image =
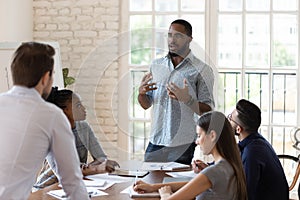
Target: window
{"type": "Point", "coordinates": [253, 44]}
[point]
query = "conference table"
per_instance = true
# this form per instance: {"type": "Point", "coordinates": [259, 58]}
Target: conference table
{"type": "Point", "coordinates": [113, 191]}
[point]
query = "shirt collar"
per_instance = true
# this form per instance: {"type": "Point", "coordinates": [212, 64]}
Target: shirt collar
{"type": "Point", "coordinates": [25, 91]}
{"type": "Point", "coordinates": [242, 144]}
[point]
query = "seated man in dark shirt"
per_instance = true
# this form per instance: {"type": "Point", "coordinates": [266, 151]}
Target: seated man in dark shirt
{"type": "Point", "coordinates": [264, 173]}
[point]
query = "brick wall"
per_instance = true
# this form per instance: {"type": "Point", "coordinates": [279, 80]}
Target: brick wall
{"type": "Point", "coordinates": [87, 32]}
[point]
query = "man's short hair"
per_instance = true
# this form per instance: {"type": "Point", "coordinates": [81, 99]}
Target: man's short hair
{"type": "Point", "coordinates": [30, 62]}
{"type": "Point", "coordinates": [249, 115]}
{"type": "Point", "coordinates": [186, 24]}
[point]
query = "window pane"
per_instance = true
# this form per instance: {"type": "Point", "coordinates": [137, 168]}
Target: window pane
{"type": "Point", "coordinates": [139, 138]}
{"type": "Point", "coordinates": [258, 5]}
{"type": "Point", "coordinates": [140, 5]}
{"type": "Point", "coordinates": [141, 39]}
{"type": "Point", "coordinates": [197, 22]}
{"type": "Point", "coordinates": [230, 41]}
{"type": "Point", "coordinates": [230, 5]}
{"type": "Point", "coordinates": [285, 5]}
{"type": "Point", "coordinates": [229, 91]}
{"type": "Point", "coordinates": [163, 5]}
{"type": "Point", "coordinates": [284, 99]}
{"type": "Point", "coordinates": [257, 40]}
{"type": "Point", "coordinates": [285, 41]}
{"type": "Point", "coordinates": [257, 90]}
{"type": "Point", "coordinates": [136, 110]}
{"type": "Point", "coordinates": [281, 140]}
{"type": "Point", "coordinates": [193, 5]}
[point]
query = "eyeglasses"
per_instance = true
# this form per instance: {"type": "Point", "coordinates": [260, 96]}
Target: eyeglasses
{"type": "Point", "coordinates": [176, 36]}
{"type": "Point", "coordinates": [229, 117]}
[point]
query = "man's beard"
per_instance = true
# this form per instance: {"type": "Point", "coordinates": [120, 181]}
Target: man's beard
{"type": "Point", "coordinates": [173, 54]}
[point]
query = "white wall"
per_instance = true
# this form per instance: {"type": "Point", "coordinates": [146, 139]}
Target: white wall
{"type": "Point", "coordinates": [16, 20]}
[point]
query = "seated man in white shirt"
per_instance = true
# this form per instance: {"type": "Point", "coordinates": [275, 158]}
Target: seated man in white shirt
{"type": "Point", "coordinates": [32, 129]}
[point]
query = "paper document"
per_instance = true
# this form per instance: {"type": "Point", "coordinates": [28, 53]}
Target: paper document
{"type": "Point", "coordinates": [94, 183]}
{"type": "Point", "coordinates": [152, 166]}
{"type": "Point", "coordinates": [134, 194]}
{"type": "Point", "coordinates": [60, 194]}
{"type": "Point", "coordinates": [108, 178]}
{"type": "Point", "coordinates": [191, 174]}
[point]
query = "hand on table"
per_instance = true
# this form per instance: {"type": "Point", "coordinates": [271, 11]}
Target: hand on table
{"type": "Point", "coordinates": [165, 192]}
{"type": "Point", "coordinates": [110, 165]}
{"type": "Point", "coordinates": [143, 187]}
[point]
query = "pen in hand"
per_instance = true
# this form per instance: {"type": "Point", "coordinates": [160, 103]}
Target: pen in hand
{"type": "Point", "coordinates": [136, 177]}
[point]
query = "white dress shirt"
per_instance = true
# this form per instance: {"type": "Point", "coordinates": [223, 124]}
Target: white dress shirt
{"type": "Point", "coordinates": [31, 129]}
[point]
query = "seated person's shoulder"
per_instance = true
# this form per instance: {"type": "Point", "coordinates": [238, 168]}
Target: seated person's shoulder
{"type": "Point", "coordinates": [82, 124]}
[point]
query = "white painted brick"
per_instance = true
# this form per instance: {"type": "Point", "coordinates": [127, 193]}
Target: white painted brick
{"type": "Point", "coordinates": [52, 11]}
{"type": "Point", "coordinates": [39, 27]}
{"type": "Point", "coordinates": [39, 4]}
{"type": "Point", "coordinates": [64, 57]}
{"type": "Point", "coordinates": [110, 18]}
{"type": "Point", "coordinates": [82, 25]}
{"type": "Point", "coordinates": [84, 18]}
{"type": "Point", "coordinates": [107, 3]}
{"type": "Point", "coordinates": [85, 33]}
{"type": "Point", "coordinates": [86, 41]}
{"type": "Point", "coordinates": [99, 25]}
{"type": "Point", "coordinates": [51, 26]}
{"type": "Point", "coordinates": [65, 49]}
{"type": "Point", "coordinates": [109, 129]}
{"type": "Point", "coordinates": [112, 11]}
{"type": "Point", "coordinates": [65, 18]}
{"type": "Point", "coordinates": [99, 10]}
{"type": "Point", "coordinates": [63, 27]}
{"type": "Point", "coordinates": [75, 26]}
{"type": "Point", "coordinates": [64, 11]}
{"type": "Point", "coordinates": [41, 11]}
{"type": "Point", "coordinates": [62, 3]}
{"type": "Point", "coordinates": [111, 137]}
{"type": "Point", "coordinates": [74, 42]}
{"type": "Point", "coordinates": [61, 34]}
{"type": "Point", "coordinates": [110, 122]}
{"type": "Point", "coordinates": [112, 25]}
{"type": "Point", "coordinates": [86, 2]}
{"type": "Point", "coordinates": [63, 42]}
{"type": "Point", "coordinates": [75, 11]}
{"type": "Point", "coordinates": [41, 34]}
{"type": "Point", "coordinates": [87, 10]}
{"type": "Point", "coordinates": [42, 19]}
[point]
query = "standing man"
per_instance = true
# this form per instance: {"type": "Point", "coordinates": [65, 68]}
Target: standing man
{"type": "Point", "coordinates": [179, 86]}
{"type": "Point", "coordinates": [264, 173]}
{"type": "Point", "coordinates": [31, 129]}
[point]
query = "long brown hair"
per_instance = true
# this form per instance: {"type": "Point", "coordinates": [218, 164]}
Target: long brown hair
{"type": "Point", "coordinates": [226, 146]}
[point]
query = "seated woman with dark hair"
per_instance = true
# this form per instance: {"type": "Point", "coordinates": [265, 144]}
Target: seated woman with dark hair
{"type": "Point", "coordinates": [85, 139]}
{"type": "Point", "coordinates": [223, 180]}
